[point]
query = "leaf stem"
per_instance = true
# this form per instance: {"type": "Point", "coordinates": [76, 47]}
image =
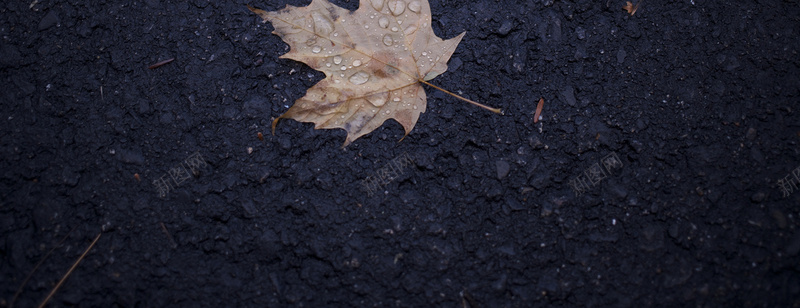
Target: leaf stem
{"type": "Point", "coordinates": [495, 110]}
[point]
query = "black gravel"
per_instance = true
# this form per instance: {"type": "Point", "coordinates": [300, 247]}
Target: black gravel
{"type": "Point", "coordinates": [651, 180]}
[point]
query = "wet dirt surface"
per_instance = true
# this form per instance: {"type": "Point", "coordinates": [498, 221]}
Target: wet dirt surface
{"type": "Point", "coordinates": [654, 177]}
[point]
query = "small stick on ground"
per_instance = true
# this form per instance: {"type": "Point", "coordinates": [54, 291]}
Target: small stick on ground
{"type": "Point", "coordinates": [169, 236]}
{"type": "Point", "coordinates": [154, 66]}
{"type": "Point", "coordinates": [53, 292]}
{"type": "Point", "coordinates": [24, 282]}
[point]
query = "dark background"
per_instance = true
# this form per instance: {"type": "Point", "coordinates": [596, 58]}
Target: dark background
{"type": "Point", "coordinates": [698, 99]}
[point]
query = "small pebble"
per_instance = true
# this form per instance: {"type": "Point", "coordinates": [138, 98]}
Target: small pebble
{"type": "Point", "coordinates": [502, 169]}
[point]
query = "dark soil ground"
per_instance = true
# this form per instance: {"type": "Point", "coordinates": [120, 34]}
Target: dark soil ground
{"type": "Point", "coordinates": [652, 179]}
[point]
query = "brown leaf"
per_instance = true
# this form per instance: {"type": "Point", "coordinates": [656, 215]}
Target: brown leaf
{"type": "Point", "coordinates": [373, 58]}
{"type": "Point", "coordinates": [631, 8]}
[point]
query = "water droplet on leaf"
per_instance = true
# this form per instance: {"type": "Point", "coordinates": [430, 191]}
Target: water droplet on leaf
{"type": "Point", "coordinates": [397, 7]}
{"type": "Point", "coordinates": [377, 4]}
{"type": "Point", "coordinates": [377, 100]}
{"type": "Point", "coordinates": [414, 6]}
{"type": "Point", "coordinates": [322, 25]}
{"type": "Point", "coordinates": [359, 78]}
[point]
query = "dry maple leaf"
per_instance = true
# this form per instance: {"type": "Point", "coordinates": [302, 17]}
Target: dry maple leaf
{"type": "Point", "coordinates": [374, 60]}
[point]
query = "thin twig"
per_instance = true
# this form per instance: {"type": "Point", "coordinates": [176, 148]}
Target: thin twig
{"type": "Point", "coordinates": [53, 292]}
{"type": "Point", "coordinates": [169, 236]}
{"type": "Point", "coordinates": [154, 66]}
{"type": "Point", "coordinates": [24, 282]}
